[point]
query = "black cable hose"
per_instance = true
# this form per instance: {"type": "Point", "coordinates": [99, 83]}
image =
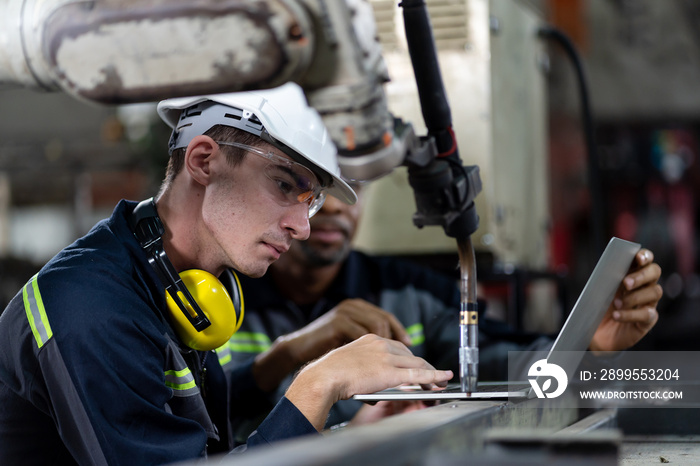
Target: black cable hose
{"type": "Point", "coordinates": [594, 177]}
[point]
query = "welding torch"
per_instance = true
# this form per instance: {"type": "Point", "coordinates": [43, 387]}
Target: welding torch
{"type": "Point", "coordinates": [443, 188]}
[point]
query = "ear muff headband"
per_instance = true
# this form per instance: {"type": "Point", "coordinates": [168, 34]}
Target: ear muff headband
{"type": "Point", "coordinates": [231, 283]}
{"type": "Point", "coordinates": [203, 310]}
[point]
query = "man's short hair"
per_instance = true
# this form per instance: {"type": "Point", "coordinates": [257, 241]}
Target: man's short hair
{"type": "Point", "coordinates": [234, 155]}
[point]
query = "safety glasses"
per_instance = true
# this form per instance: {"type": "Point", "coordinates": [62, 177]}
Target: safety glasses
{"type": "Point", "coordinates": [292, 183]}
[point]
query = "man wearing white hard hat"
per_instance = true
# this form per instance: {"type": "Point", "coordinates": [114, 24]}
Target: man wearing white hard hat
{"type": "Point", "coordinates": [109, 354]}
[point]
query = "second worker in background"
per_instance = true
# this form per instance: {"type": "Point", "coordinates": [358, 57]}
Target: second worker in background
{"type": "Point", "coordinates": [322, 294]}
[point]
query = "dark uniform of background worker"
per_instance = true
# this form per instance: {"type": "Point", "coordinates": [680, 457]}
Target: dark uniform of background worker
{"type": "Point", "coordinates": [321, 295]}
{"type": "Point", "coordinates": [93, 369]}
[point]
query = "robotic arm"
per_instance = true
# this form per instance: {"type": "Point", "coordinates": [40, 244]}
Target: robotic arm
{"type": "Point", "coordinates": [125, 51]}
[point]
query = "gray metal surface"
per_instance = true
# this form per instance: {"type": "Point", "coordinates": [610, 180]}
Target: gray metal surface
{"type": "Point", "coordinates": [637, 451]}
{"type": "Point", "coordinates": [454, 429]}
{"type": "Point", "coordinates": [485, 433]}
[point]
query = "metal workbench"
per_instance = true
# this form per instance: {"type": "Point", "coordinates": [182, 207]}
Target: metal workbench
{"type": "Point", "coordinates": [490, 433]}
{"type": "Point", "coordinates": [486, 432]}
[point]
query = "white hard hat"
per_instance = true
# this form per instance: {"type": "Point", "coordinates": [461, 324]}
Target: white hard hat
{"type": "Point", "coordinates": [280, 116]}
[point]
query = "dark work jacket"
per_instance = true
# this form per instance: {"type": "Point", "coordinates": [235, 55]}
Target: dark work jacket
{"type": "Point", "coordinates": [91, 372]}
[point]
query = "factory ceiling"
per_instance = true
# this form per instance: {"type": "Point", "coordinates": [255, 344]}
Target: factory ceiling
{"type": "Point", "coordinates": [48, 141]}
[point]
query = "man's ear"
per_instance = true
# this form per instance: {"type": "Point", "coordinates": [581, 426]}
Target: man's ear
{"type": "Point", "coordinates": [198, 158]}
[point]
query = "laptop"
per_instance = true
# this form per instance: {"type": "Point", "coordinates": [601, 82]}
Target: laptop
{"type": "Point", "coordinates": [569, 346]}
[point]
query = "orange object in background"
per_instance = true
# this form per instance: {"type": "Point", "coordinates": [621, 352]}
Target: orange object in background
{"type": "Point", "coordinates": [569, 16]}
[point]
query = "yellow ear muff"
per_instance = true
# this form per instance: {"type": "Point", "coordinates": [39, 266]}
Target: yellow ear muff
{"type": "Point", "coordinates": [216, 303]}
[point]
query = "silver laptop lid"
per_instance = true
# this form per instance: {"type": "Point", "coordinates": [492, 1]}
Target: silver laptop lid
{"type": "Point", "coordinates": [570, 344]}
{"type": "Point", "coordinates": [591, 305]}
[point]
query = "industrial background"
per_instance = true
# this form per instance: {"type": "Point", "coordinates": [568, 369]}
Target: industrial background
{"type": "Point", "coordinates": [517, 110]}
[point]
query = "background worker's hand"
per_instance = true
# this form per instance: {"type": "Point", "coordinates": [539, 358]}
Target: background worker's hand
{"type": "Point", "coordinates": [366, 365]}
{"type": "Point", "coordinates": [632, 312]}
{"type": "Point", "coordinates": [348, 321]}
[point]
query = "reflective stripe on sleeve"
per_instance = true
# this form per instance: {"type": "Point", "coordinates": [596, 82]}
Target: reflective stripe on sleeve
{"type": "Point", "coordinates": [415, 333]}
{"type": "Point", "coordinates": [223, 353]}
{"type": "Point", "coordinates": [36, 314]}
{"type": "Point", "coordinates": [181, 381]}
{"type": "Point", "coordinates": [249, 342]}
